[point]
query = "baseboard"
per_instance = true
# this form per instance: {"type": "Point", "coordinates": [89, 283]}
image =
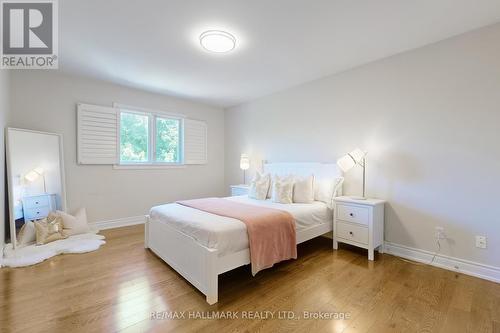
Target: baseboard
{"type": "Point", "coordinates": [118, 223]}
{"type": "Point", "coordinates": [482, 271]}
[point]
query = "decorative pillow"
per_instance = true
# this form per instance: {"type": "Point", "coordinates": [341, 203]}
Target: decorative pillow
{"type": "Point", "coordinates": [259, 186]}
{"type": "Point", "coordinates": [49, 230]}
{"type": "Point", "coordinates": [303, 190]}
{"type": "Point", "coordinates": [326, 188]}
{"type": "Point", "coordinates": [27, 234]}
{"type": "Point", "coordinates": [270, 190]}
{"type": "Point", "coordinates": [282, 189]}
{"type": "Point", "coordinates": [73, 224]}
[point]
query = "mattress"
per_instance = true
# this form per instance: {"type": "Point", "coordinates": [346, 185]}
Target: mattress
{"type": "Point", "coordinates": [229, 235]}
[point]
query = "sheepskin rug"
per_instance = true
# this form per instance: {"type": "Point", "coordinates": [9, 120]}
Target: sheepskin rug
{"type": "Point", "coordinates": [34, 254]}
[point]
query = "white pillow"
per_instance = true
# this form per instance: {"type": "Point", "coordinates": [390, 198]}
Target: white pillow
{"type": "Point", "coordinates": [282, 190]}
{"type": "Point", "coordinates": [326, 188]}
{"type": "Point", "coordinates": [74, 224]}
{"type": "Point", "coordinates": [270, 187]}
{"type": "Point", "coordinates": [259, 186]}
{"type": "Point", "coordinates": [303, 189]}
{"type": "Point", "coordinates": [27, 235]}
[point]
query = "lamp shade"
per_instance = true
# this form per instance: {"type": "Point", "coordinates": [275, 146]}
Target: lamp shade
{"type": "Point", "coordinates": [357, 154]}
{"type": "Point", "coordinates": [34, 174]}
{"type": "Point", "coordinates": [244, 162]}
{"type": "Point", "coordinates": [346, 163]}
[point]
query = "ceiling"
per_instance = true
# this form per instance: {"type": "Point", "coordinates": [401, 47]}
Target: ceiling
{"type": "Point", "coordinates": [153, 44]}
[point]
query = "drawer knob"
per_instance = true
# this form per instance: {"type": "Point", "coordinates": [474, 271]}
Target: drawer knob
{"type": "Point", "coordinates": [38, 212]}
{"type": "Point", "coordinates": [36, 202]}
{"type": "Point", "coordinates": [351, 214]}
{"type": "Point", "coordinates": [351, 233]}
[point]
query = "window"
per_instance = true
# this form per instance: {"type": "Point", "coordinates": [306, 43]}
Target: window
{"type": "Point", "coordinates": [167, 140]}
{"type": "Point", "coordinates": [130, 137]}
{"type": "Point", "coordinates": [134, 138]}
{"type": "Point", "coordinates": [149, 138]}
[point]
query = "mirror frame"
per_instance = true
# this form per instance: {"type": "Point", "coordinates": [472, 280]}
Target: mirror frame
{"type": "Point", "coordinates": [13, 236]}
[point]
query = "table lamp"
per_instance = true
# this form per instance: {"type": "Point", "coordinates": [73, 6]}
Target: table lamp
{"type": "Point", "coordinates": [347, 162]}
{"type": "Point", "coordinates": [244, 165]}
{"type": "Point", "coordinates": [34, 174]}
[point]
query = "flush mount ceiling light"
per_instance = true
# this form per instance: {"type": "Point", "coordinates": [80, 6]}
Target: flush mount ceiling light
{"type": "Point", "coordinates": [217, 41]}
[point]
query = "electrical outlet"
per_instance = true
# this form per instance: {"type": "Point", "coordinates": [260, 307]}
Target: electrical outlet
{"type": "Point", "coordinates": [481, 242]}
{"type": "Point", "coordinates": [440, 233]}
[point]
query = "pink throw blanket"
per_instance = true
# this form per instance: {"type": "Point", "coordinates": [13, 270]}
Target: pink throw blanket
{"type": "Point", "coordinates": [271, 232]}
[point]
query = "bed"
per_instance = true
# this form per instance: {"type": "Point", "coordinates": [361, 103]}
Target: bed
{"type": "Point", "coordinates": [200, 245]}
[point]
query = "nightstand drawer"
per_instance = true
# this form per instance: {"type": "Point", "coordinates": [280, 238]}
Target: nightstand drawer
{"type": "Point", "coordinates": [34, 202]}
{"type": "Point", "coordinates": [352, 232]}
{"type": "Point", "coordinates": [353, 214]}
{"type": "Point", "coordinates": [36, 213]}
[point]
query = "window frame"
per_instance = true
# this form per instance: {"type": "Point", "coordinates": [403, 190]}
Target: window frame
{"type": "Point", "coordinates": [152, 115]}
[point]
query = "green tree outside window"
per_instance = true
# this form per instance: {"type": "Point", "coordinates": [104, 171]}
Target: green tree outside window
{"type": "Point", "coordinates": [134, 134]}
{"type": "Point", "coordinates": [167, 140]}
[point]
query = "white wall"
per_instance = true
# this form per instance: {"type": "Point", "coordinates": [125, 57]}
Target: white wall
{"type": "Point", "coordinates": [430, 119]}
{"type": "Point", "coordinates": [46, 101]}
{"type": "Point", "coordinates": [4, 107]}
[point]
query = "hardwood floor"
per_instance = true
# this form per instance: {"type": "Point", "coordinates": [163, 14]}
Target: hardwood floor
{"type": "Point", "coordinates": [118, 287]}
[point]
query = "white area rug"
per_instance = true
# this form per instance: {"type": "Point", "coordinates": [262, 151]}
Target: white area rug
{"type": "Point", "coordinates": [34, 254]}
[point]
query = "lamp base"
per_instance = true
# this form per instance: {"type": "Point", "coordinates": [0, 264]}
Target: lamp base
{"type": "Point", "coordinates": [357, 198]}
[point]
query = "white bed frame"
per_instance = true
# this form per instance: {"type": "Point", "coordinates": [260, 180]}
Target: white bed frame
{"type": "Point", "coordinates": [200, 265]}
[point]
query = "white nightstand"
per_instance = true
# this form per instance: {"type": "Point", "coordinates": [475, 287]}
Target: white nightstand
{"type": "Point", "coordinates": [37, 207]}
{"type": "Point", "coordinates": [239, 190]}
{"type": "Point", "coordinates": [359, 223]}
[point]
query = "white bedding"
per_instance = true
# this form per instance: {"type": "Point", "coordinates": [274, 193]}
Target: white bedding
{"type": "Point", "coordinates": [229, 235]}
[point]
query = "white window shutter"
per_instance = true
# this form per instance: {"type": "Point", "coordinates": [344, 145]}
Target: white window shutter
{"type": "Point", "coordinates": [97, 134]}
{"type": "Point", "coordinates": [195, 142]}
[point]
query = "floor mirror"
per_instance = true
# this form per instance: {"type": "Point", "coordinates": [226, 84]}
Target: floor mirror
{"type": "Point", "coordinates": [35, 176]}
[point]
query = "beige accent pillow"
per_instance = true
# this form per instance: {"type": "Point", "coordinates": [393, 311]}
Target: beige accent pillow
{"type": "Point", "coordinates": [326, 189]}
{"type": "Point", "coordinates": [303, 189]}
{"type": "Point", "coordinates": [27, 234]}
{"type": "Point", "coordinates": [259, 186]}
{"type": "Point", "coordinates": [49, 230]}
{"type": "Point", "coordinates": [282, 190]}
{"type": "Point", "coordinates": [74, 224]}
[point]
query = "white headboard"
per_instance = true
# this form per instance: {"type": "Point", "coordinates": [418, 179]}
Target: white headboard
{"type": "Point", "coordinates": [319, 170]}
